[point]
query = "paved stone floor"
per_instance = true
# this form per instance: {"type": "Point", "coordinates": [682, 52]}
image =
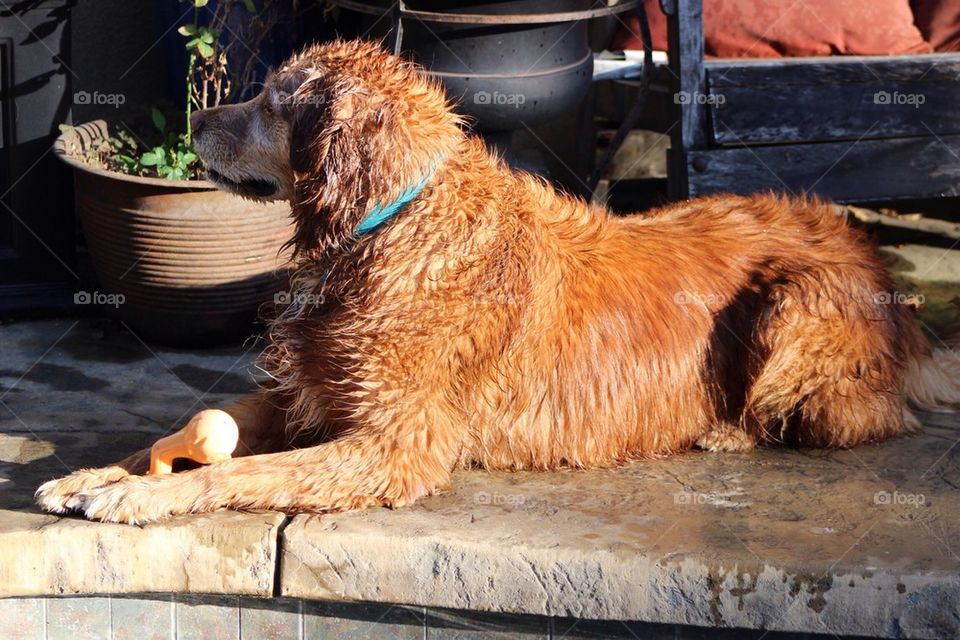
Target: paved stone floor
{"type": "Point", "coordinates": [859, 542]}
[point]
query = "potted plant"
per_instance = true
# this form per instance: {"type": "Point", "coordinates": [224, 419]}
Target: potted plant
{"type": "Point", "coordinates": [184, 262]}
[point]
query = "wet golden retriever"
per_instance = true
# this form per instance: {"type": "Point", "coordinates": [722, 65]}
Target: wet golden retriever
{"type": "Point", "coordinates": [448, 312]}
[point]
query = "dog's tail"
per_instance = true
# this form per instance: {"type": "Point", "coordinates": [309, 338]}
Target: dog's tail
{"type": "Point", "coordinates": [932, 379]}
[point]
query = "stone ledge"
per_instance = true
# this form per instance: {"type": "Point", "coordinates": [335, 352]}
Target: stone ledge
{"type": "Point", "coordinates": [220, 553]}
{"type": "Point", "coordinates": [821, 542]}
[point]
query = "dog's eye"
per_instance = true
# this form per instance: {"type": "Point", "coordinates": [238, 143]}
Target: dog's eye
{"type": "Point", "coordinates": [268, 109]}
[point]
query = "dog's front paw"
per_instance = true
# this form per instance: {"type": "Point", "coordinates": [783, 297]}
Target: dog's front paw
{"type": "Point", "coordinates": [136, 500]}
{"type": "Point", "coordinates": [54, 496]}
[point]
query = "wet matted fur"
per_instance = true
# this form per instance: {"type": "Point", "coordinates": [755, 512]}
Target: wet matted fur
{"type": "Point", "coordinates": [495, 322]}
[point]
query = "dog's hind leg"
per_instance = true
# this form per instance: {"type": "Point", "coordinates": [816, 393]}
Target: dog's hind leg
{"type": "Point", "coordinates": [726, 437]}
{"type": "Point", "coordinates": [353, 472]}
{"type": "Point", "coordinates": [261, 430]}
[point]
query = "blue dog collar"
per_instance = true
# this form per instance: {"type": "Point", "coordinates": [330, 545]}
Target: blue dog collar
{"type": "Point", "coordinates": [381, 213]}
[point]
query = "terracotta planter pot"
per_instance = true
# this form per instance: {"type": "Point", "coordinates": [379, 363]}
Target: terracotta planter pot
{"type": "Point", "coordinates": [192, 263]}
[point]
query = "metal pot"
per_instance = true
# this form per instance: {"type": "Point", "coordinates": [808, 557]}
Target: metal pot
{"type": "Point", "coordinates": [193, 264]}
{"type": "Point", "coordinates": [504, 76]}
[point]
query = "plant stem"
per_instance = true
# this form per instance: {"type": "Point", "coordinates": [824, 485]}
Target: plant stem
{"type": "Point", "coordinates": [190, 62]}
{"type": "Point", "coordinates": [189, 138]}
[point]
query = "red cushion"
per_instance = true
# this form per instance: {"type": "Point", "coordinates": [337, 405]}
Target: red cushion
{"type": "Point", "coordinates": [775, 28]}
{"type": "Point", "coordinates": [939, 22]}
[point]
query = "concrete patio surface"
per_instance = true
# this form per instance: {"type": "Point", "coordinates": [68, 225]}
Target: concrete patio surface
{"type": "Point", "coordinates": [858, 542]}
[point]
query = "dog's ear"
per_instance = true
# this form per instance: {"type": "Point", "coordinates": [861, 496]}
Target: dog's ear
{"type": "Point", "coordinates": [340, 141]}
{"type": "Point", "coordinates": [318, 132]}
{"type": "Point", "coordinates": [357, 143]}
{"type": "Point", "coordinates": [305, 102]}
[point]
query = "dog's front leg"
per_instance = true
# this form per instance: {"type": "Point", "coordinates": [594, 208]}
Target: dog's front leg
{"type": "Point", "coordinates": [258, 419]}
{"type": "Point", "coordinates": [354, 472]}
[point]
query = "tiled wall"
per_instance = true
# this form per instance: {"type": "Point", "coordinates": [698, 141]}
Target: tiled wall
{"type": "Point", "coordinates": [165, 617]}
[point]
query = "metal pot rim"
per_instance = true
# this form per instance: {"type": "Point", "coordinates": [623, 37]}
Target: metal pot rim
{"type": "Point", "coordinates": [454, 17]}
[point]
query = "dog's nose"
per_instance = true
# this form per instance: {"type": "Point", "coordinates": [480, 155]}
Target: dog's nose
{"type": "Point", "coordinates": [197, 121]}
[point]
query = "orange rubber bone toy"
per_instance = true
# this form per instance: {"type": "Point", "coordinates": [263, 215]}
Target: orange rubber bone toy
{"type": "Point", "coordinates": [210, 436]}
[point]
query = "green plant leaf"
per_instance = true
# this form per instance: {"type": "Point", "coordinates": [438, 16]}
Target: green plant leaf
{"type": "Point", "coordinates": [200, 3]}
{"type": "Point", "coordinates": [251, 7]}
{"type": "Point", "coordinates": [205, 49]}
{"type": "Point", "coordinates": [128, 163]}
{"type": "Point", "coordinates": [187, 30]}
{"type": "Point", "coordinates": [150, 159]}
{"type": "Point", "coordinates": [159, 120]}
{"type": "Point", "coordinates": [189, 158]}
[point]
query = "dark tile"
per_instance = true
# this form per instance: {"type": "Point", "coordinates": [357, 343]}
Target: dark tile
{"type": "Point", "coordinates": [576, 628]}
{"type": "Point", "coordinates": [78, 618]}
{"type": "Point", "coordinates": [451, 624]}
{"type": "Point", "coordinates": [21, 618]}
{"type": "Point", "coordinates": [269, 619]}
{"type": "Point", "coordinates": [142, 617]}
{"type": "Point", "coordinates": [573, 628]}
{"type": "Point", "coordinates": [357, 620]}
{"type": "Point", "coordinates": [205, 617]}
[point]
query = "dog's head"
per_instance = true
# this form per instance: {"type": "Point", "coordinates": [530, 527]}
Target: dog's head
{"type": "Point", "coordinates": [246, 147]}
{"type": "Point", "coordinates": [337, 129]}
